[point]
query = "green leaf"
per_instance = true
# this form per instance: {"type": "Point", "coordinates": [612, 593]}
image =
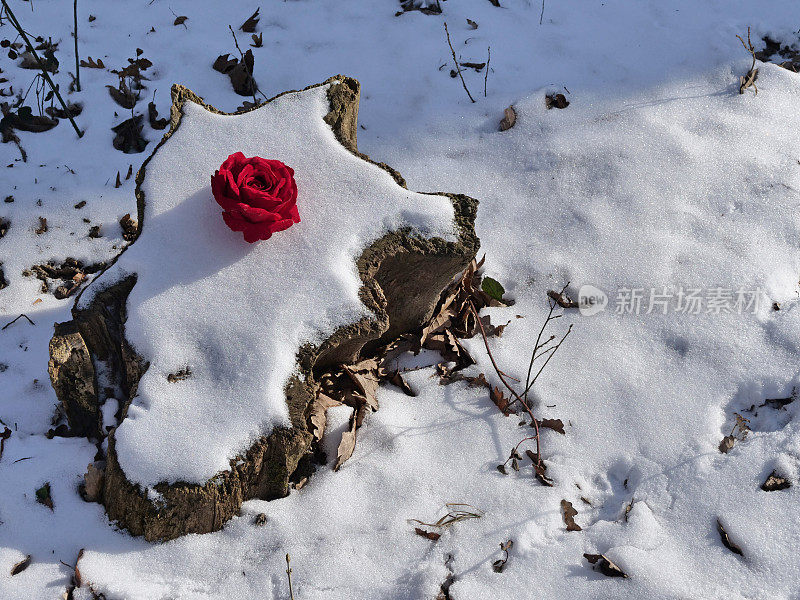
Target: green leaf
{"type": "Point", "coordinates": [43, 493]}
{"type": "Point", "coordinates": [493, 288]}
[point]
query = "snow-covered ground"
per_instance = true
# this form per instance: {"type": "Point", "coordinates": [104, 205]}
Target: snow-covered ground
{"type": "Point", "coordinates": [659, 174]}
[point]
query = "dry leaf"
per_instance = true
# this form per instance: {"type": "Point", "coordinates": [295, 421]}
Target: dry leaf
{"type": "Point", "coordinates": [726, 540]}
{"type": "Point", "coordinates": [775, 482]}
{"type": "Point", "coordinates": [472, 24]}
{"type": "Point", "coordinates": [605, 566]}
{"type": "Point", "coordinates": [21, 565]}
{"type": "Point", "coordinates": [152, 114]}
{"type": "Point", "coordinates": [561, 299]}
{"type": "Point", "coordinates": [365, 375]}
{"type": "Point", "coordinates": [90, 63]}
{"type": "Point", "coordinates": [431, 535]}
{"type": "Point", "coordinates": [397, 379]}
{"type": "Point", "coordinates": [554, 424]}
{"type": "Point", "coordinates": [726, 445]}
{"type": "Point", "coordinates": [569, 513]}
{"type": "Point", "coordinates": [319, 414]}
{"type": "Point", "coordinates": [556, 101]}
{"type": "Point", "coordinates": [249, 26]}
{"type": "Point", "coordinates": [348, 443]}
{"type": "Point", "coordinates": [78, 576]}
{"type": "Point", "coordinates": [500, 400]}
{"type": "Point", "coordinates": [180, 21]}
{"type": "Point", "coordinates": [509, 118]}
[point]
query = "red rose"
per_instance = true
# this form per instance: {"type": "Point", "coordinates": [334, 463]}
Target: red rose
{"type": "Point", "coordinates": [258, 195]}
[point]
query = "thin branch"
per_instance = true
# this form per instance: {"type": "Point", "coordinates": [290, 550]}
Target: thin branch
{"type": "Point", "coordinates": [455, 60]}
{"type": "Point", "coordinates": [486, 76]}
{"type": "Point", "coordinates": [505, 383]}
{"type": "Point", "coordinates": [541, 16]}
{"type": "Point", "coordinates": [77, 61]}
{"type": "Point", "coordinates": [15, 23]}
{"type": "Point", "coordinates": [17, 319]}
{"type": "Point", "coordinates": [289, 575]}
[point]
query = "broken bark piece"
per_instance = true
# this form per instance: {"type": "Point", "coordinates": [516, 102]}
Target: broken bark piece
{"type": "Point", "coordinates": [402, 273]}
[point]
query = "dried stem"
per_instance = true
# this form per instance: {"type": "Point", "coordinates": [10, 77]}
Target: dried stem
{"type": "Point", "coordinates": [455, 60]}
{"type": "Point", "coordinates": [486, 75]}
{"type": "Point", "coordinates": [15, 23]}
{"type": "Point", "coordinates": [17, 319]}
{"type": "Point", "coordinates": [517, 397]}
{"type": "Point", "coordinates": [289, 575]}
{"type": "Point", "coordinates": [75, 33]}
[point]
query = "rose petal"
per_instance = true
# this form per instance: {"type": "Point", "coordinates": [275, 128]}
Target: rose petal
{"type": "Point", "coordinates": [259, 198]}
{"type": "Point", "coordinates": [234, 163]}
{"type": "Point", "coordinates": [257, 215]}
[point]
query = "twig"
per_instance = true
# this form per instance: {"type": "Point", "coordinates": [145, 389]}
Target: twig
{"type": "Point", "coordinates": [505, 383]}
{"type": "Point", "coordinates": [289, 575]}
{"type": "Point", "coordinates": [486, 75]}
{"type": "Point", "coordinates": [749, 79]}
{"type": "Point", "coordinates": [15, 23]}
{"type": "Point", "coordinates": [77, 61]}
{"type": "Point", "coordinates": [249, 70]}
{"type": "Point", "coordinates": [17, 319]}
{"type": "Point", "coordinates": [455, 60]}
{"type": "Point", "coordinates": [541, 16]}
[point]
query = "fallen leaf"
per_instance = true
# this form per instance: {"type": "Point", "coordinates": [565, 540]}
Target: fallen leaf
{"type": "Point", "coordinates": [509, 118]}
{"type": "Point", "coordinates": [726, 540]}
{"type": "Point", "coordinates": [78, 576]}
{"type": "Point", "coordinates": [152, 114]}
{"type": "Point", "coordinates": [605, 566]}
{"type": "Point", "coordinates": [129, 137]}
{"type": "Point", "coordinates": [365, 375]}
{"type": "Point", "coordinates": [500, 400]}
{"type": "Point", "coordinates": [348, 443]}
{"type": "Point", "coordinates": [42, 226]}
{"type": "Point", "coordinates": [319, 414]}
{"type": "Point", "coordinates": [726, 445]}
{"type": "Point", "coordinates": [556, 101]}
{"type": "Point", "coordinates": [431, 535]}
{"type": "Point", "coordinates": [43, 496]}
{"type": "Point", "coordinates": [249, 26]}
{"type": "Point", "coordinates": [180, 21]}
{"type": "Point", "coordinates": [554, 424]}
{"type": "Point", "coordinates": [472, 24]}
{"type": "Point", "coordinates": [225, 63]}
{"type": "Point", "coordinates": [122, 95]}
{"type": "Point", "coordinates": [397, 379]}
{"type": "Point", "coordinates": [258, 40]}
{"type": "Point", "coordinates": [569, 513]}
{"type": "Point", "coordinates": [493, 288]}
{"type": "Point", "coordinates": [21, 565]}
{"type": "Point", "coordinates": [562, 299]}
{"type": "Point", "coordinates": [775, 482]}
{"type": "Point", "coordinates": [90, 63]}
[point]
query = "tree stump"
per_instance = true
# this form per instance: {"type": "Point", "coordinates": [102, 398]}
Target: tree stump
{"type": "Point", "coordinates": [211, 361]}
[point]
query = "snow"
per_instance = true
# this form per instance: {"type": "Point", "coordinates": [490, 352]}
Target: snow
{"type": "Point", "coordinates": [236, 314]}
{"type": "Point", "coordinates": [658, 174]}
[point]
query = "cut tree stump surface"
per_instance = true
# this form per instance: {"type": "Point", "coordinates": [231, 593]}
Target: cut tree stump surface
{"type": "Point", "coordinates": [211, 343]}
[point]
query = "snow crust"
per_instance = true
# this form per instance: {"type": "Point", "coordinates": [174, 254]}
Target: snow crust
{"type": "Point", "coordinates": [237, 313]}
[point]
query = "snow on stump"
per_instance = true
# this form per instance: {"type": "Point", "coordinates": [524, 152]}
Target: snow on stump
{"type": "Point", "coordinates": [198, 351]}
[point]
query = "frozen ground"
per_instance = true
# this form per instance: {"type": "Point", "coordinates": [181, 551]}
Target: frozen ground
{"type": "Point", "coordinates": [658, 174]}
